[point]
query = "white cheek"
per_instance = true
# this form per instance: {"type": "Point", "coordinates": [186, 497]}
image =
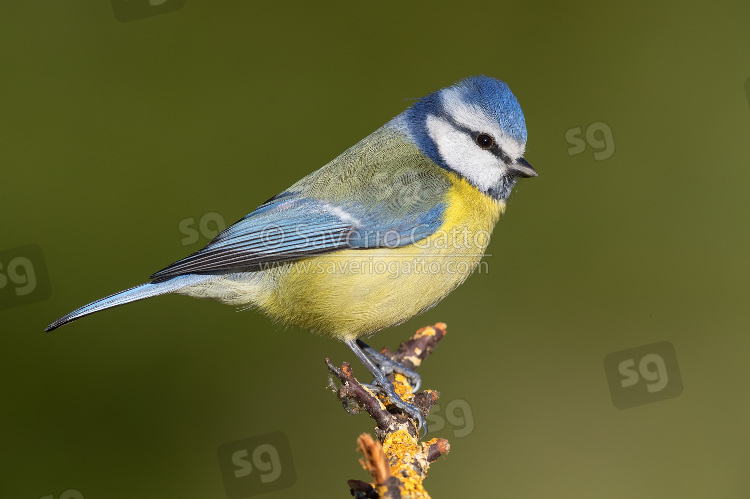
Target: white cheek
{"type": "Point", "coordinates": [480, 167]}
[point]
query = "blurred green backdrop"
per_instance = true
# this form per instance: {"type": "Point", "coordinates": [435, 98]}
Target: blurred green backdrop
{"type": "Point", "coordinates": [117, 140]}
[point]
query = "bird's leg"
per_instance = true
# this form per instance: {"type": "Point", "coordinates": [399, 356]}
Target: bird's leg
{"type": "Point", "coordinates": [384, 385]}
{"type": "Point", "coordinates": [388, 365]}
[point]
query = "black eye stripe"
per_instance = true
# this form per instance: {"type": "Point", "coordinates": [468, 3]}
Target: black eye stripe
{"type": "Point", "coordinates": [494, 148]}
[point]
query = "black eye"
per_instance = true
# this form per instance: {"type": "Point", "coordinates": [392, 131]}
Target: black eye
{"type": "Point", "coordinates": [484, 141]}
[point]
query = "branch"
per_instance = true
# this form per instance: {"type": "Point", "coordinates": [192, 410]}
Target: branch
{"type": "Point", "coordinates": [397, 461]}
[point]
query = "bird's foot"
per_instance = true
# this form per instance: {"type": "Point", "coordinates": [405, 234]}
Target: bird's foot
{"type": "Point", "coordinates": [387, 388]}
{"type": "Point", "coordinates": [388, 365]}
{"type": "Point", "coordinates": [383, 385]}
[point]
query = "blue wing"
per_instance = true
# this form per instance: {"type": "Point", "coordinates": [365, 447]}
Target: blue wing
{"type": "Point", "coordinates": [291, 226]}
{"type": "Point", "coordinates": [381, 192]}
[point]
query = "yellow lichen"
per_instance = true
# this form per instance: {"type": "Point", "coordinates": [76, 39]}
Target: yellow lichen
{"type": "Point", "coordinates": [404, 452]}
{"type": "Point", "coordinates": [403, 388]}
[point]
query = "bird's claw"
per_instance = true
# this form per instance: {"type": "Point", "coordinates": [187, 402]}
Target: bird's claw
{"type": "Point", "coordinates": [388, 366]}
{"type": "Point", "coordinates": [387, 389]}
{"type": "Point", "coordinates": [369, 357]}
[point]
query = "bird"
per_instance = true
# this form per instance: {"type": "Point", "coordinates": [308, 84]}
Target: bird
{"type": "Point", "coordinates": [375, 237]}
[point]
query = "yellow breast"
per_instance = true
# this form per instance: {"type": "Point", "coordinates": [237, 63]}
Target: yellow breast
{"type": "Point", "coordinates": [354, 293]}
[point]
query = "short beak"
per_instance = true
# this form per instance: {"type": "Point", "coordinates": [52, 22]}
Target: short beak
{"type": "Point", "coordinates": [522, 169]}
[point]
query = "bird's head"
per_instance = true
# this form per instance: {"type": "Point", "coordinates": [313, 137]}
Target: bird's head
{"type": "Point", "coordinates": [474, 128]}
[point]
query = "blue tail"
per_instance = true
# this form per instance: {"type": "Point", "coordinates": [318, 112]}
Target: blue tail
{"type": "Point", "coordinates": [130, 295]}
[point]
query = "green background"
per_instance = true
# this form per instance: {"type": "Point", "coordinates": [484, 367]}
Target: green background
{"type": "Point", "coordinates": [112, 133]}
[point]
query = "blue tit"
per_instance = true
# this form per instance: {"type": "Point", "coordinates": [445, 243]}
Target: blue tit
{"type": "Point", "coordinates": [378, 235]}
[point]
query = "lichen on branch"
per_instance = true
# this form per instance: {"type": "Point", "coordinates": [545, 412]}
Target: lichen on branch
{"type": "Point", "coordinates": [397, 461]}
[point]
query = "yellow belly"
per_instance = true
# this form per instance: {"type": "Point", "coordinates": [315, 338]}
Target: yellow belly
{"type": "Point", "coordinates": [354, 293]}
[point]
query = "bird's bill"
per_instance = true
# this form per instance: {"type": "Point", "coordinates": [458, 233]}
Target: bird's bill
{"type": "Point", "coordinates": [523, 169]}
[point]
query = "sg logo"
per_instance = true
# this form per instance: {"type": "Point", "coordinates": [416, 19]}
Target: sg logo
{"type": "Point", "coordinates": [643, 374]}
{"type": "Point", "coordinates": [209, 227]}
{"type": "Point", "coordinates": [256, 465]}
{"type": "Point", "coordinates": [598, 136]}
{"type": "Point", "coordinates": [459, 416]}
{"type": "Point", "coordinates": [23, 276]}
{"type": "Point", "coordinates": [131, 10]}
